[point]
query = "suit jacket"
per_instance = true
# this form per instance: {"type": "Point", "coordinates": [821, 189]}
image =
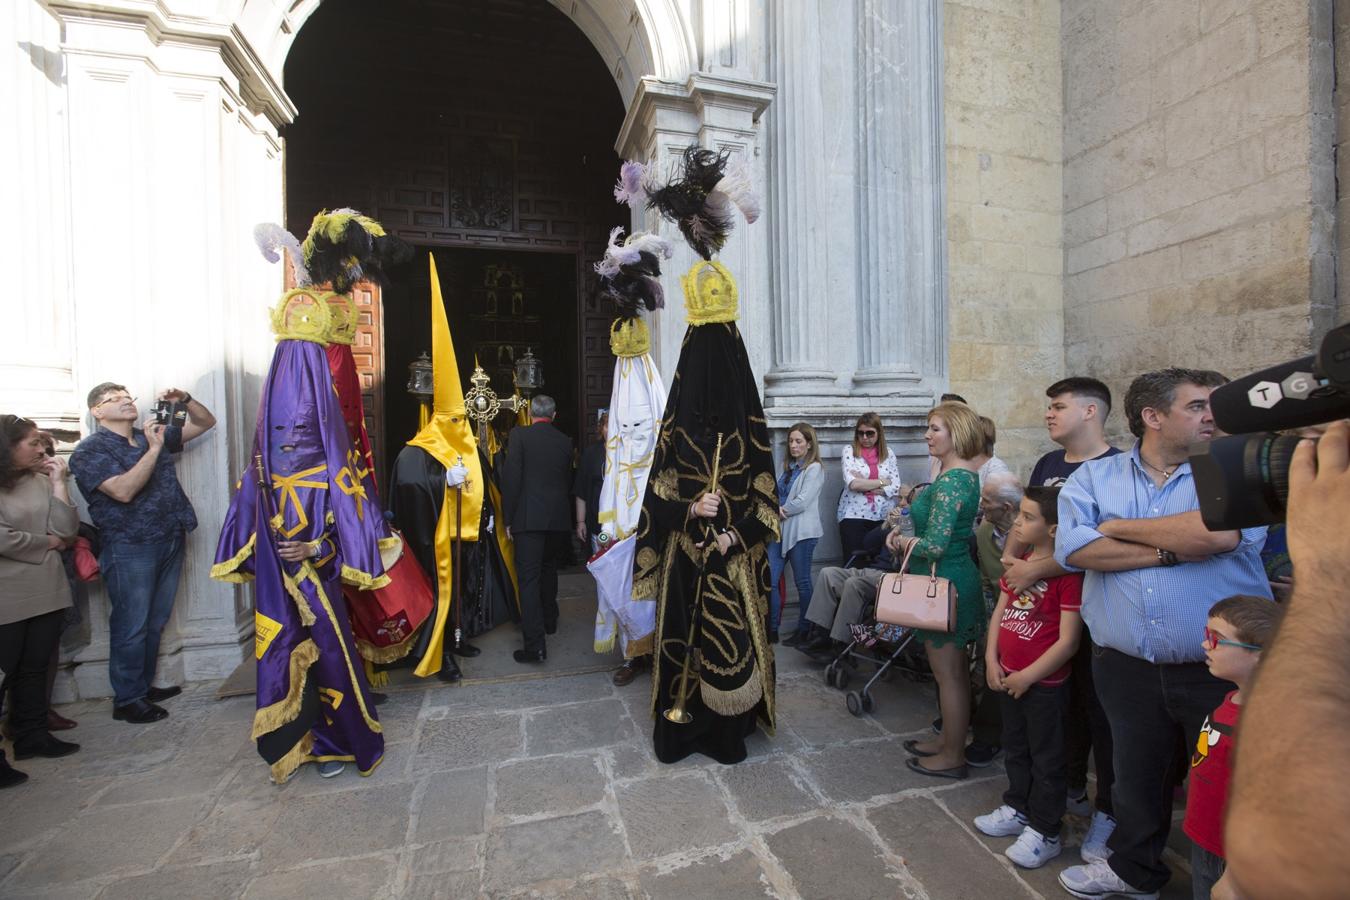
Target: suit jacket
{"type": "Point", "coordinates": [536, 478]}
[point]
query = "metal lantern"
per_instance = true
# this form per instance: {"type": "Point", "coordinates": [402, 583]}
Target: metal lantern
{"type": "Point", "coordinates": [421, 378]}
{"type": "Point", "coordinates": [529, 373]}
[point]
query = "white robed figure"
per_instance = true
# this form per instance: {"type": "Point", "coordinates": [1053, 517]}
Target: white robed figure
{"type": "Point", "coordinates": [636, 405]}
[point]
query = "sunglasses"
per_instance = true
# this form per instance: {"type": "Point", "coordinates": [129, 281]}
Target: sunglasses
{"type": "Point", "coordinates": [865, 432]}
{"type": "Point", "coordinates": [1213, 639]}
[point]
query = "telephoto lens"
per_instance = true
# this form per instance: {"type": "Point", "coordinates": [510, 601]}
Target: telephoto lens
{"type": "Point", "coordinates": [1243, 480]}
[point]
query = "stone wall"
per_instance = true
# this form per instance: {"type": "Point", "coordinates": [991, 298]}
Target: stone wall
{"type": "Point", "coordinates": [1003, 110]}
{"type": "Point", "coordinates": [1198, 184]}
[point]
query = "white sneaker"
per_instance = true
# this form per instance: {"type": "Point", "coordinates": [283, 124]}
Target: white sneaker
{"type": "Point", "coordinates": [1002, 822]}
{"type": "Point", "coordinates": [1094, 842]}
{"type": "Point", "coordinates": [1096, 879]}
{"type": "Point", "coordinates": [1078, 806]}
{"type": "Point", "coordinates": [1033, 849]}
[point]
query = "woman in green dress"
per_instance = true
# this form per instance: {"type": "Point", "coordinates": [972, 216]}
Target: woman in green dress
{"type": "Point", "coordinates": [944, 517]}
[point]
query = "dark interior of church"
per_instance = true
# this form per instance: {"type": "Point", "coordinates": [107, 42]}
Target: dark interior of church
{"type": "Point", "coordinates": [482, 131]}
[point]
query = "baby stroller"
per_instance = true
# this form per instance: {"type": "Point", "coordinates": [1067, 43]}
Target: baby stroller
{"type": "Point", "coordinates": [887, 645]}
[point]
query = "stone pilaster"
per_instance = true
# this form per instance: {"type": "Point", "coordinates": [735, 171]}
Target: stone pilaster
{"type": "Point", "coordinates": [902, 277]}
{"type": "Point", "coordinates": [799, 292]}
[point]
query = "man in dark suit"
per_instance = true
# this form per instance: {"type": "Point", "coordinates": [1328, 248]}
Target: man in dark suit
{"type": "Point", "coordinates": [536, 477]}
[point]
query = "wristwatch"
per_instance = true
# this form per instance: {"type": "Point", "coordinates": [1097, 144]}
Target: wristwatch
{"type": "Point", "coordinates": [1167, 558]}
{"type": "Point", "coordinates": [187, 398]}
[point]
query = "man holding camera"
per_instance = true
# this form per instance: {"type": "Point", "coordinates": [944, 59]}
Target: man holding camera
{"type": "Point", "coordinates": [1132, 522]}
{"type": "Point", "coordinates": [127, 477]}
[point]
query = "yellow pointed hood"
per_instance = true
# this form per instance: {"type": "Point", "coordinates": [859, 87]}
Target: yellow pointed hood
{"type": "Point", "coordinates": [449, 439]}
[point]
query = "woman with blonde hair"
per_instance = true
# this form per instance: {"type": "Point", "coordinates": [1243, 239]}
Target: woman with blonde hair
{"type": "Point", "coordinates": [944, 518]}
{"type": "Point", "coordinates": [799, 528]}
{"type": "Point", "coordinates": [871, 483]}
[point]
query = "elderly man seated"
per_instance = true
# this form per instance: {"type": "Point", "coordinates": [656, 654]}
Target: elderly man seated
{"type": "Point", "coordinates": [842, 593]}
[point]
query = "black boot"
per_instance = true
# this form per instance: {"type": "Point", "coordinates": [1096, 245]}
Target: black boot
{"type": "Point", "coordinates": [465, 649]}
{"type": "Point", "coordinates": [449, 672]}
{"type": "Point", "coordinates": [819, 641]}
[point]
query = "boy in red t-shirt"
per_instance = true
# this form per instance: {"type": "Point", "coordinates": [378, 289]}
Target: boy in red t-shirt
{"type": "Point", "coordinates": [1032, 638]}
{"type": "Point", "coordinates": [1237, 629]}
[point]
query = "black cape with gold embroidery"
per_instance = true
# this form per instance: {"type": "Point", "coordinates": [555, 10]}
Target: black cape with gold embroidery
{"type": "Point", "coordinates": [713, 392]}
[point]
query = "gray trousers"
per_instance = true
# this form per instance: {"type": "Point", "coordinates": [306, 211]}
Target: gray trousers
{"type": "Point", "coordinates": [839, 598]}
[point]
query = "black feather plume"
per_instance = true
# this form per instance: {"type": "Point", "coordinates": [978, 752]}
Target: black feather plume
{"type": "Point", "coordinates": [684, 201]}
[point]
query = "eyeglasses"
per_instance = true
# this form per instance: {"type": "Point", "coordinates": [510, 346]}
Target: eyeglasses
{"type": "Point", "coordinates": [126, 397]}
{"type": "Point", "coordinates": [865, 432]}
{"type": "Point", "coordinates": [1213, 639]}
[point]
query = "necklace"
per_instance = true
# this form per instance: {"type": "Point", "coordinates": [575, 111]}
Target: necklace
{"type": "Point", "coordinates": [1165, 473]}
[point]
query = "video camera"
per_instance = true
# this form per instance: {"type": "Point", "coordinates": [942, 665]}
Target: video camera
{"type": "Point", "coordinates": [169, 412]}
{"type": "Point", "coordinates": [1243, 480]}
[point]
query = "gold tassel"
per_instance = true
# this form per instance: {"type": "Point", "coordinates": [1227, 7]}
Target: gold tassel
{"type": "Point", "coordinates": [284, 768]}
{"type": "Point", "coordinates": [735, 701]}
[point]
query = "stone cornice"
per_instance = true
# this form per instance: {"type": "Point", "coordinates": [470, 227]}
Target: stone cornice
{"type": "Point", "coordinates": [697, 95]}
{"type": "Point", "coordinates": [161, 26]}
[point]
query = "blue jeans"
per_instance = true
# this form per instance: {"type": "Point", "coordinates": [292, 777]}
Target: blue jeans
{"type": "Point", "coordinates": [799, 557]}
{"type": "Point", "coordinates": [142, 580]}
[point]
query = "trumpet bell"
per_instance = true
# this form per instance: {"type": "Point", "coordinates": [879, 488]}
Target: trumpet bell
{"type": "Point", "coordinates": [678, 715]}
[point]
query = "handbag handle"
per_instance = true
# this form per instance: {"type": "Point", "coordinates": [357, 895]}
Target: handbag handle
{"type": "Point", "coordinates": [904, 564]}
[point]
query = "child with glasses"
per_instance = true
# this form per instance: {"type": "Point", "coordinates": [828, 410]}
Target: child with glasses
{"type": "Point", "coordinates": [1238, 628]}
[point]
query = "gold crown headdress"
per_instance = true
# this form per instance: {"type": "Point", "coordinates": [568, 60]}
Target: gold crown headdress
{"type": "Point", "coordinates": [629, 338]}
{"type": "Point", "coordinates": [302, 314]}
{"type": "Point", "coordinates": [710, 294]}
{"type": "Point", "coordinates": [343, 328]}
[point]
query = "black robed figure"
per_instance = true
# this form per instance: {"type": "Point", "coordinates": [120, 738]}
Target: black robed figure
{"type": "Point", "coordinates": [709, 575]}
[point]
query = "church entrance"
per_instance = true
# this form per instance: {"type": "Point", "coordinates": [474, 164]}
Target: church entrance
{"type": "Point", "coordinates": [483, 133]}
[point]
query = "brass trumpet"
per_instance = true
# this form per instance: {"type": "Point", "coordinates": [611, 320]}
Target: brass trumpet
{"type": "Point", "coordinates": [678, 713]}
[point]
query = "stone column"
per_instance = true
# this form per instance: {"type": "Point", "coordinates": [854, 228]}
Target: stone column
{"type": "Point", "coordinates": [902, 268]}
{"type": "Point", "coordinates": [794, 209]}
{"type": "Point", "coordinates": [718, 113]}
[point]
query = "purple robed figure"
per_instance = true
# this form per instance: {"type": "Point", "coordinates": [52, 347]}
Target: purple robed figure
{"type": "Point", "coordinates": [313, 700]}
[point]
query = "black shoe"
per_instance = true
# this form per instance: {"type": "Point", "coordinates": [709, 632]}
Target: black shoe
{"type": "Point", "coordinates": [828, 651]}
{"type": "Point", "coordinates": [817, 644]}
{"type": "Point", "coordinates": [773, 636]}
{"type": "Point", "coordinates": [10, 776]}
{"type": "Point", "coordinates": [139, 712]}
{"type": "Point", "coordinates": [551, 627]}
{"type": "Point", "coordinates": [159, 695]}
{"type": "Point", "coordinates": [377, 698]}
{"type": "Point", "coordinates": [449, 672]}
{"type": "Point", "coordinates": [50, 748]}
{"type": "Point", "coordinates": [980, 754]}
{"type": "Point", "coordinates": [465, 649]}
{"type": "Point", "coordinates": [530, 656]}
{"type": "Point", "coordinates": [795, 639]}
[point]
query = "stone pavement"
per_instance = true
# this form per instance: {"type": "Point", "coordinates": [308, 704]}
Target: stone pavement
{"type": "Point", "coordinates": [533, 788]}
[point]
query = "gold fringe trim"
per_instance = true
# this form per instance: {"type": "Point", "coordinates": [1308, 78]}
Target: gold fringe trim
{"type": "Point", "coordinates": [390, 653]}
{"type": "Point", "coordinates": [733, 702]}
{"type": "Point", "coordinates": [284, 768]}
{"type": "Point", "coordinates": [607, 645]}
{"type": "Point", "coordinates": [373, 678]}
{"type": "Point", "coordinates": [225, 571]}
{"type": "Point", "coordinates": [270, 718]}
{"type": "Point", "coordinates": [642, 646]}
{"type": "Point", "coordinates": [301, 602]}
{"type": "Point", "coordinates": [742, 571]}
{"type": "Point", "coordinates": [363, 580]}
{"type": "Point", "coordinates": [371, 723]}
{"type": "Point", "coordinates": [390, 543]}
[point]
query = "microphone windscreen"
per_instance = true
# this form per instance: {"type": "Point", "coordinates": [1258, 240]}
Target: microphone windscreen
{"type": "Point", "coordinates": [1285, 396]}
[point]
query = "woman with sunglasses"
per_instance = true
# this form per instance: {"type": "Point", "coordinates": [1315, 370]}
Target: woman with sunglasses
{"type": "Point", "coordinates": [871, 483]}
{"type": "Point", "coordinates": [37, 518]}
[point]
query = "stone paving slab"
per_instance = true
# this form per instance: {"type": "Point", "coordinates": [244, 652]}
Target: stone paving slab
{"type": "Point", "coordinates": [542, 788]}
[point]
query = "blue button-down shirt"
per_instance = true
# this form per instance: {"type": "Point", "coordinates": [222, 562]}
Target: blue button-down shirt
{"type": "Point", "coordinates": [1159, 613]}
{"type": "Point", "coordinates": [158, 512]}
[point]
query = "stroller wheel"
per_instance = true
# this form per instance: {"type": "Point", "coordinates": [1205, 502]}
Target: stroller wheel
{"type": "Point", "coordinates": [829, 675]}
{"type": "Point", "coordinates": [854, 703]}
{"type": "Point", "coordinates": [868, 704]}
{"type": "Point", "coordinates": [841, 678]}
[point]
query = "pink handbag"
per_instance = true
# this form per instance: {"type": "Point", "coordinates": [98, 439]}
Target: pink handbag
{"type": "Point", "coordinates": [917, 601]}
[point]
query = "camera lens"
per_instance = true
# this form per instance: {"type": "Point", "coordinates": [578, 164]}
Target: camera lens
{"type": "Point", "coordinates": [1243, 480]}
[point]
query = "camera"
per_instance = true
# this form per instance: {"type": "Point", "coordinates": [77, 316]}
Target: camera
{"type": "Point", "coordinates": [1243, 480]}
{"type": "Point", "coordinates": [169, 412]}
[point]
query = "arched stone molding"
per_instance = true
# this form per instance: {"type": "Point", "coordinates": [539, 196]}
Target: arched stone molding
{"type": "Point", "coordinates": [174, 111]}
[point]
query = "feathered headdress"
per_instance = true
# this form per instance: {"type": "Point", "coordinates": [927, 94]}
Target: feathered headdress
{"type": "Point", "coordinates": [342, 247]}
{"type": "Point", "coordinates": [700, 200]}
{"type": "Point", "coordinates": [630, 273]}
